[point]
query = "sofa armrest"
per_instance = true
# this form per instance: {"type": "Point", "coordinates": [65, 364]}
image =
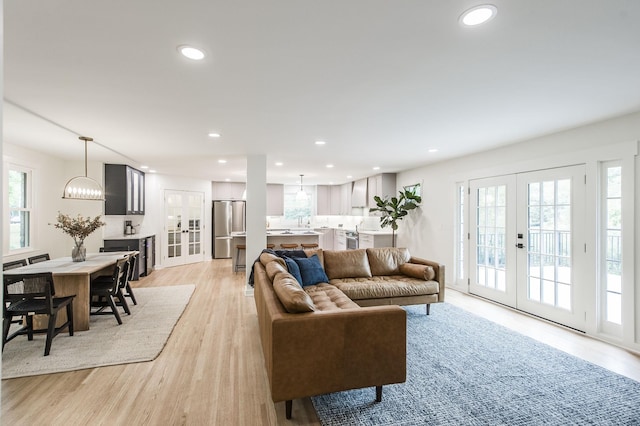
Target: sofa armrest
{"type": "Point", "coordinates": [322, 352]}
{"type": "Point", "coordinates": [438, 268]}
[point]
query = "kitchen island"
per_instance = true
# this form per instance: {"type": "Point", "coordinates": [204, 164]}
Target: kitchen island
{"type": "Point", "coordinates": [273, 237]}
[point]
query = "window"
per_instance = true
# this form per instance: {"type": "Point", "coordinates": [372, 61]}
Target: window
{"type": "Point", "coordinates": [612, 242]}
{"type": "Point", "coordinates": [299, 208]}
{"type": "Point", "coordinates": [19, 208]}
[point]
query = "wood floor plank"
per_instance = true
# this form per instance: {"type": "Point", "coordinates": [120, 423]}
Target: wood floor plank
{"type": "Point", "coordinates": [211, 372]}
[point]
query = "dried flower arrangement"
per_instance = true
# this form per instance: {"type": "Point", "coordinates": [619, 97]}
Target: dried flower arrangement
{"type": "Point", "coordinates": [78, 227]}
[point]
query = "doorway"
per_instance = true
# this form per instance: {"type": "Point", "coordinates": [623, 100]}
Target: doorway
{"type": "Point", "coordinates": [527, 242]}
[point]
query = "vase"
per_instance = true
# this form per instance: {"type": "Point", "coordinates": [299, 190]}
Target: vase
{"type": "Point", "coordinates": [79, 253]}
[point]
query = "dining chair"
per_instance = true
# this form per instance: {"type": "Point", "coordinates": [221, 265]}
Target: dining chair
{"type": "Point", "coordinates": [127, 291]}
{"type": "Point", "coordinates": [106, 289]}
{"type": "Point", "coordinates": [14, 264]}
{"type": "Point", "coordinates": [34, 294]}
{"type": "Point", "coordinates": [39, 258]}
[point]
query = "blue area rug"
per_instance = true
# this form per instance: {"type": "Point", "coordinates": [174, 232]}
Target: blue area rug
{"type": "Point", "coordinates": [465, 370]}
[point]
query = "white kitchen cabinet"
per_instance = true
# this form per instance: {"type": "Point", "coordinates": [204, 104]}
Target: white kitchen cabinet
{"type": "Point", "coordinates": [359, 193]}
{"type": "Point", "coordinates": [323, 200]}
{"type": "Point", "coordinates": [227, 190]}
{"type": "Point", "coordinates": [366, 240]}
{"type": "Point", "coordinates": [345, 198]}
{"type": "Point", "coordinates": [339, 239]}
{"type": "Point", "coordinates": [325, 239]}
{"type": "Point", "coordinates": [275, 199]}
{"type": "Point", "coordinates": [336, 194]}
{"type": "Point", "coordinates": [382, 185]}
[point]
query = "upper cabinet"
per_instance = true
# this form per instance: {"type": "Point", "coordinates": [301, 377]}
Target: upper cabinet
{"type": "Point", "coordinates": [382, 185]}
{"type": "Point", "coordinates": [227, 190]}
{"type": "Point", "coordinates": [359, 193]}
{"type": "Point", "coordinates": [123, 190]}
{"type": "Point", "coordinates": [275, 199]}
{"type": "Point", "coordinates": [323, 200]}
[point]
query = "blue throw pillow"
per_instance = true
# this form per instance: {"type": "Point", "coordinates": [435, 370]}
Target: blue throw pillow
{"type": "Point", "coordinates": [293, 269]}
{"type": "Point", "coordinates": [311, 270]}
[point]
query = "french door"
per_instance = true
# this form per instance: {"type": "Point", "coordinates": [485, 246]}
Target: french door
{"type": "Point", "coordinates": [184, 219]}
{"type": "Point", "coordinates": [527, 242]}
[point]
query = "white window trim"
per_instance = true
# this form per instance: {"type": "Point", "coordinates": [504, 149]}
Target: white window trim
{"type": "Point", "coordinates": [8, 166]}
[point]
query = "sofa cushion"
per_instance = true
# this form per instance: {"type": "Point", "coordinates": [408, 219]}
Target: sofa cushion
{"type": "Point", "coordinates": [311, 271]}
{"type": "Point", "coordinates": [318, 251]}
{"type": "Point", "coordinates": [293, 269]}
{"type": "Point", "coordinates": [423, 272]}
{"type": "Point", "coordinates": [380, 287]}
{"type": "Point", "coordinates": [326, 297]}
{"type": "Point", "coordinates": [291, 295]}
{"type": "Point", "coordinates": [387, 260]}
{"type": "Point", "coordinates": [275, 267]}
{"type": "Point", "coordinates": [346, 264]}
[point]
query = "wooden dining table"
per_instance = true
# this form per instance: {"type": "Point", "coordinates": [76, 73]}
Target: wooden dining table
{"type": "Point", "coordinates": [71, 277]}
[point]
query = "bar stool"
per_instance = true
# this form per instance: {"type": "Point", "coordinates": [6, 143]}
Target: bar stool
{"type": "Point", "coordinates": [306, 246]}
{"type": "Point", "coordinates": [289, 246]}
{"type": "Point", "coordinates": [271, 246]}
{"type": "Point", "coordinates": [239, 248]}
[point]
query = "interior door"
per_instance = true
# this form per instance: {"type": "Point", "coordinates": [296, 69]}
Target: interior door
{"type": "Point", "coordinates": [184, 219]}
{"type": "Point", "coordinates": [527, 248]}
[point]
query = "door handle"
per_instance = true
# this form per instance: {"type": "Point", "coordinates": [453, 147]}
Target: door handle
{"type": "Point", "coordinates": [519, 245]}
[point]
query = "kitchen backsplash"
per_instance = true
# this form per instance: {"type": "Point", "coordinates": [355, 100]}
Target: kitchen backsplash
{"type": "Point", "coordinates": [115, 225]}
{"type": "Point", "coordinates": [369, 223]}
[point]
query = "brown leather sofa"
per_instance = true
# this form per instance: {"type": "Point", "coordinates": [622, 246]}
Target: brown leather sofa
{"type": "Point", "coordinates": [317, 340]}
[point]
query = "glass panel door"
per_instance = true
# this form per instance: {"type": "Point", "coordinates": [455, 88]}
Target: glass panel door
{"type": "Point", "coordinates": [552, 251]}
{"type": "Point", "coordinates": [492, 224]}
{"type": "Point", "coordinates": [184, 214]}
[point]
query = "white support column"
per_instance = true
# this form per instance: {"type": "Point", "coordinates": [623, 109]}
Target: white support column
{"type": "Point", "coordinates": [256, 239]}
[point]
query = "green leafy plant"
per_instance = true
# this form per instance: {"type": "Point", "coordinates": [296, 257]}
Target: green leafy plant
{"type": "Point", "coordinates": [394, 209]}
{"type": "Point", "coordinates": [78, 227]}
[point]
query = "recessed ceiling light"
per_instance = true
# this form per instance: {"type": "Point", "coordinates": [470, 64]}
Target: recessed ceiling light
{"type": "Point", "coordinates": [214, 135]}
{"type": "Point", "coordinates": [279, 164]}
{"type": "Point", "coordinates": [221, 161]}
{"type": "Point", "coordinates": [478, 15]}
{"type": "Point", "coordinates": [329, 166]}
{"type": "Point", "coordinates": [376, 168]}
{"type": "Point", "coordinates": [144, 167]}
{"type": "Point", "coordinates": [191, 52]}
{"type": "Point", "coordinates": [152, 171]}
{"type": "Point", "coordinates": [349, 176]}
{"type": "Point", "coordinates": [320, 142]}
{"type": "Point", "coordinates": [432, 150]}
{"type": "Point", "coordinates": [227, 180]}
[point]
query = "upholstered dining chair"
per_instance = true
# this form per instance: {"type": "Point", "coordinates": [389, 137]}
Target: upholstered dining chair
{"type": "Point", "coordinates": [30, 294]}
{"type": "Point", "coordinates": [39, 258]}
{"type": "Point", "coordinates": [105, 290]}
{"type": "Point", "coordinates": [14, 264]}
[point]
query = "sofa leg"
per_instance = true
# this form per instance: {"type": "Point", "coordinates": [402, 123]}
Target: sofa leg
{"type": "Point", "coordinates": [378, 393]}
{"type": "Point", "coordinates": [428, 308]}
{"type": "Point", "coordinates": [288, 404]}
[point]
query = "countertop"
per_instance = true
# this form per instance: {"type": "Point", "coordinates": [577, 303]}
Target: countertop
{"type": "Point", "coordinates": [128, 237]}
{"type": "Point", "coordinates": [377, 232]}
{"type": "Point", "coordinates": [281, 233]}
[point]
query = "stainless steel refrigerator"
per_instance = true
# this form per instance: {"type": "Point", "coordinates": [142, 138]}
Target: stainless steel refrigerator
{"type": "Point", "coordinates": [228, 217]}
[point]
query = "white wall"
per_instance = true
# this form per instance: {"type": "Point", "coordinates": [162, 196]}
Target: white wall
{"type": "Point", "coordinates": [430, 233]}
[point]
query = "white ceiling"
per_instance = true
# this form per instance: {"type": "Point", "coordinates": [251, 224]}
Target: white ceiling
{"type": "Point", "coordinates": [380, 81]}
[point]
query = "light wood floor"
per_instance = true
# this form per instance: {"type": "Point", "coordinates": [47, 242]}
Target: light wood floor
{"type": "Point", "coordinates": [211, 371]}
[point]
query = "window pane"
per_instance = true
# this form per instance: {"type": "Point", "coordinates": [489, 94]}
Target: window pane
{"type": "Point", "coordinates": [17, 189]}
{"type": "Point", "coordinates": [614, 185]}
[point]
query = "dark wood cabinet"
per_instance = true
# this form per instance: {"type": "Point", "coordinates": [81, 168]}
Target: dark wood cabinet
{"type": "Point", "coordinates": [146, 247]}
{"type": "Point", "coordinates": [123, 189]}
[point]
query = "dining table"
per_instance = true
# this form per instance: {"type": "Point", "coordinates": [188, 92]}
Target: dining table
{"type": "Point", "coordinates": [74, 278]}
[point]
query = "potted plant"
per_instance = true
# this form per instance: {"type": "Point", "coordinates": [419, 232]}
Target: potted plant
{"type": "Point", "coordinates": [78, 228]}
{"type": "Point", "coordinates": [394, 209]}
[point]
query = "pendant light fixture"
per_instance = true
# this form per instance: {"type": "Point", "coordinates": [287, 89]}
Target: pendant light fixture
{"type": "Point", "coordinates": [83, 187]}
{"type": "Point", "coordinates": [301, 195]}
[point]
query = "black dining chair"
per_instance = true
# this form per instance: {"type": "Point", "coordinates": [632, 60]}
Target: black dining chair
{"type": "Point", "coordinates": [34, 294]}
{"type": "Point", "coordinates": [39, 258]}
{"type": "Point", "coordinates": [105, 290]}
{"type": "Point", "coordinates": [127, 291]}
{"type": "Point", "coordinates": [14, 264]}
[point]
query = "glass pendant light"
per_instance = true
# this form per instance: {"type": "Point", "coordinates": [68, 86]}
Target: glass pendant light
{"type": "Point", "coordinates": [83, 187]}
{"type": "Point", "coordinates": [301, 195]}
